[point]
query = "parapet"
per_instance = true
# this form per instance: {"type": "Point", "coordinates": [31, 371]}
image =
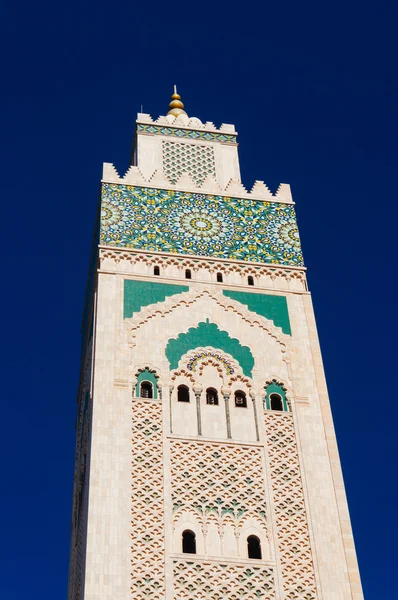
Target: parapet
{"type": "Point", "coordinates": [210, 185]}
{"type": "Point", "coordinates": [183, 121]}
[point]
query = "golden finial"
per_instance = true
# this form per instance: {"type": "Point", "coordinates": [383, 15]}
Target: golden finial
{"type": "Point", "coordinates": [176, 107]}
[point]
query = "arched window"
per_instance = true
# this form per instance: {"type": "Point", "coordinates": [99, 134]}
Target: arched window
{"type": "Point", "coordinates": [276, 402]}
{"type": "Point", "coordinates": [276, 398]}
{"type": "Point", "coordinates": [240, 399]}
{"type": "Point", "coordinates": [211, 396]}
{"type": "Point", "coordinates": [188, 274]}
{"type": "Point", "coordinates": [188, 542]}
{"type": "Point", "coordinates": [250, 280]}
{"type": "Point", "coordinates": [156, 270]}
{"type": "Point", "coordinates": [183, 393]}
{"type": "Point", "coordinates": [253, 547]}
{"type": "Point", "coordinates": [219, 277]}
{"type": "Point", "coordinates": [146, 389]}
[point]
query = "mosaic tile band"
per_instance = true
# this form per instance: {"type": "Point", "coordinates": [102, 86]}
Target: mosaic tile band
{"type": "Point", "coordinates": [199, 224]}
{"type": "Point", "coordinates": [187, 133]}
{"type": "Point", "coordinates": [191, 365]}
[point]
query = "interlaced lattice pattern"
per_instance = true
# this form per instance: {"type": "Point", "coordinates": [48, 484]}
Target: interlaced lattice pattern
{"type": "Point", "coordinates": [147, 502]}
{"type": "Point", "coordinates": [291, 519]}
{"type": "Point", "coordinates": [218, 481]}
{"type": "Point", "coordinates": [195, 580]}
{"type": "Point", "coordinates": [197, 161]}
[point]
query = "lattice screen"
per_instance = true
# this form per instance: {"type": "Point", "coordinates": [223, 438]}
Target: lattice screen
{"type": "Point", "coordinates": [197, 580]}
{"type": "Point", "coordinates": [147, 548]}
{"type": "Point", "coordinates": [291, 518]}
{"type": "Point", "coordinates": [217, 481]}
{"type": "Point", "coordinates": [196, 160]}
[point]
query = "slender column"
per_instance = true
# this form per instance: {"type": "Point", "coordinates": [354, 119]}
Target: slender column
{"type": "Point", "coordinates": [198, 388]}
{"type": "Point", "coordinates": [226, 392]}
{"type": "Point", "coordinates": [253, 397]}
{"type": "Point", "coordinates": [171, 408]}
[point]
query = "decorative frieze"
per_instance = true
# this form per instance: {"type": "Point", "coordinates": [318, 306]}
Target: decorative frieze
{"type": "Point", "coordinates": [205, 270]}
{"type": "Point", "coordinates": [192, 134]}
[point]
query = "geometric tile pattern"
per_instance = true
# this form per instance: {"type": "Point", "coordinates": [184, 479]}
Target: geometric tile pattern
{"type": "Point", "coordinates": [187, 133]}
{"type": "Point", "coordinates": [196, 580]}
{"type": "Point", "coordinates": [197, 161]}
{"type": "Point", "coordinates": [199, 224]}
{"type": "Point", "coordinates": [147, 518]}
{"type": "Point", "coordinates": [217, 482]}
{"type": "Point", "coordinates": [291, 519]}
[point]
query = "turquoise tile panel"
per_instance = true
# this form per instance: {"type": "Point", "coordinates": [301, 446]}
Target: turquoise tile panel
{"type": "Point", "coordinates": [270, 307]}
{"type": "Point", "coordinates": [186, 223]}
{"type": "Point", "coordinates": [208, 334]}
{"type": "Point", "coordinates": [138, 294]}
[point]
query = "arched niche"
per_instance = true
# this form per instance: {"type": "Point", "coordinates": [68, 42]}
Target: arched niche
{"type": "Point", "coordinates": [208, 334]}
{"type": "Point", "coordinates": [146, 376]}
{"type": "Point", "coordinates": [276, 398]}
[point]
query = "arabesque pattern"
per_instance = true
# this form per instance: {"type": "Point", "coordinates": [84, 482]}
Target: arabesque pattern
{"type": "Point", "coordinates": [291, 519]}
{"type": "Point", "coordinates": [197, 580]}
{"type": "Point", "coordinates": [201, 224]}
{"type": "Point", "coordinates": [147, 534]}
{"type": "Point", "coordinates": [217, 481]}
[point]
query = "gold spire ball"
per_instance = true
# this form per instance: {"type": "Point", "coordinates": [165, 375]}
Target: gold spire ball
{"type": "Point", "coordinates": [176, 107]}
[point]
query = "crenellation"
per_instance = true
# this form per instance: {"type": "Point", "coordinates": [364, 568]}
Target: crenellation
{"type": "Point", "coordinates": [185, 122]}
{"type": "Point", "coordinates": [135, 176]}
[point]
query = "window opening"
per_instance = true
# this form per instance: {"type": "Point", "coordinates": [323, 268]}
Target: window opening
{"type": "Point", "coordinates": [156, 270]}
{"type": "Point", "coordinates": [183, 393]}
{"type": "Point", "coordinates": [250, 280]}
{"type": "Point", "coordinates": [146, 390]}
{"type": "Point", "coordinates": [276, 402]}
{"type": "Point", "coordinates": [211, 396]}
{"type": "Point", "coordinates": [240, 399]}
{"type": "Point", "coordinates": [253, 547]}
{"type": "Point", "coordinates": [188, 274]}
{"type": "Point", "coordinates": [219, 277]}
{"type": "Point", "coordinates": [188, 542]}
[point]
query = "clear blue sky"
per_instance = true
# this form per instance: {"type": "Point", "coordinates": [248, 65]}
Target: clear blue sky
{"type": "Point", "coordinates": [312, 90]}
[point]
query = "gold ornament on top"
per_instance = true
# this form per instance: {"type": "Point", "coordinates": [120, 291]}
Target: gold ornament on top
{"type": "Point", "coordinates": [176, 107]}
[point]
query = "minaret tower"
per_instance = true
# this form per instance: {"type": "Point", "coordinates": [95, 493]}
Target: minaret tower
{"type": "Point", "coordinates": [206, 459]}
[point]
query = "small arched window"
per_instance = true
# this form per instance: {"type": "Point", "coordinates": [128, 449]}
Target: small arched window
{"type": "Point", "coordinates": [276, 402]}
{"type": "Point", "coordinates": [211, 396]}
{"type": "Point", "coordinates": [183, 393]}
{"type": "Point", "coordinates": [219, 277]}
{"type": "Point", "coordinates": [156, 270]}
{"type": "Point", "coordinates": [250, 280]}
{"type": "Point", "coordinates": [146, 389]}
{"type": "Point", "coordinates": [188, 274]}
{"type": "Point", "coordinates": [188, 542]}
{"type": "Point", "coordinates": [253, 547]}
{"type": "Point", "coordinates": [240, 399]}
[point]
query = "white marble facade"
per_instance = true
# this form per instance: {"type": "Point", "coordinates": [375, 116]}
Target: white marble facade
{"type": "Point", "coordinates": [148, 471]}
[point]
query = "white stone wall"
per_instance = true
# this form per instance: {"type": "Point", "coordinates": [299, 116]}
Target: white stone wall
{"type": "Point", "coordinates": [150, 156]}
{"type": "Point", "coordinates": [121, 346]}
